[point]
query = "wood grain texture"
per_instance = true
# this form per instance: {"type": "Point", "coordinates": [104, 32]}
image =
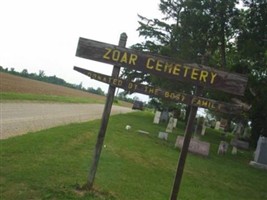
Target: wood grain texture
{"type": "Point", "coordinates": [169, 68]}
{"type": "Point", "coordinates": [157, 92]}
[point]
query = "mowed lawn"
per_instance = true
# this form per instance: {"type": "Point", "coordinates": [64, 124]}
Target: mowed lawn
{"type": "Point", "coordinates": [51, 164]}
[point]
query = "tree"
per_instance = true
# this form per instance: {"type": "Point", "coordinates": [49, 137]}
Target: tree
{"type": "Point", "coordinates": [252, 48]}
{"type": "Point", "coordinates": [217, 34]}
{"type": "Point", "coordinates": [190, 32]}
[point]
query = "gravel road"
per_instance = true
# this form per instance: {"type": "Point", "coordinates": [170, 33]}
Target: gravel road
{"type": "Point", "coordinates": [20, 118]}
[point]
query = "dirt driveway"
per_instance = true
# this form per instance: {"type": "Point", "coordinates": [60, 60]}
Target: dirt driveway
{"type": "Point", "coordinates": [20, 118]}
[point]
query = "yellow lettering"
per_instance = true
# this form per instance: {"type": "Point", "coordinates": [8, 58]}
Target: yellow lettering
{"type": "Point", "coordinates": [213, 75]}
{"type": "Point", "coordinates": [204, 103]}
{"type": "Point", "coordinates": [133, 59]}
{"type": "Point", "coordinates": [156, 91]}
{"type": "Point", "coordinates": [130, 86]}
{"type": "Point", "coordinates": [194, 101]}
{"type": "Point", "coordinates": [124, 58]}
{"type": "Point", "coordinates": [120, 82]}
{"type": "Point", "coordinates": [168, 67]}
{"type": "Point", "coordinates": [167, 94]}
{"type": "Point", "coordinates": [176, 70]}
{"type": "Point", "coordinates": [104, 79]}
{"type": "Point", "coordinates": [115, 81]}
{"type": "Point", "coordinates": [159, 65]}
{"type": "Point", "coordinates": [194, 73]}
{"type": "Point", "coordinates": [203, 76]}
{"type": "Point", "coordinates": [107, 54]}
{"type": "Point", "coordinates": [148, 65]}
{"type": "Point", "coordinates": [151, 90]}
{"type": "Point", "coordinates": [116, 55]}
{"type": "Point", "coordinates": [186, 70]}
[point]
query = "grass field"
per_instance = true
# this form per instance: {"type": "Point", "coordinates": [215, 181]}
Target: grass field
{"type": "Point", "coordinates": [16, 88]}
{"type": "Point", "coordinates": [51, 164]}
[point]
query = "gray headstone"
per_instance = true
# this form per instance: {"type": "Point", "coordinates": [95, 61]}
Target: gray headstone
{"type": "Point", "coordinates": [261, 151]}
{"type": "Point", "coordinates": [163, 135]}
{"type": "Point", "coordinates": [195, 146]}
{"type": "Point", "coordinates": [239, 144]}
{"type": "Point", "coordinates": [164, 116]}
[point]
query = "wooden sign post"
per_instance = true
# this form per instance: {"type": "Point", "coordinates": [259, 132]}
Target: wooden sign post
{"type": "Point", "coordinates": [104, 122]}
{"type": "Point", "coordinates": [199, 75]}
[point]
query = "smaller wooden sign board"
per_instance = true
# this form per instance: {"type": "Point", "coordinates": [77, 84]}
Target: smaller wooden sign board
{"type": "Point", "coordinates": [157, 92]}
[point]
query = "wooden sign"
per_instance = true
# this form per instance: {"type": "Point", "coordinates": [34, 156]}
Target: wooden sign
{"type": "Point", "coordinates": [195, 74]}
{"type": "Point", "coordinates": [157, 92]}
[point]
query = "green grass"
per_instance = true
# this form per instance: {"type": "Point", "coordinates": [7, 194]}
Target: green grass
{"type": "Point", "coordinates": [50, 164]}
{"type": "Point", "coordinates": [46, 98]}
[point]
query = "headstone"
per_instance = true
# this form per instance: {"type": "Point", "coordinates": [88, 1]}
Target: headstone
{"type": "Point", "coordinates": [234, 151]}
{"type": "Point", "coordinates": [222, 147]}
{"type": "Point", "coordinates": [223, 123]}
{"type": "Point", "coordinates": [261, 151]}
{"type": "Point", "coordinates": [217, 125]}
{"type": "Point", "coordinates": [195, 146]}
{"type": "Point", "coordinates": [182, 115]}
{"type": "Point", "coordinates": [164, 117]}
{"type": "Point", "coordinates": [128, 127]}
{"type": "Point", "coordinates": [144, 132]}
{"type": "Point", "coordinates": [170, 125]}
{"type": "Point", "coordinates": [157, 117]}
{"type": "Point", "coordinates": [239, 144]}
{"type": "Point", "coordinates": [199, 125]}
{"type": "Point", "coordinates": [163, 135]}
{"type": "Point", "coordinates": [175, 122]}
{"type": "Point", "coordinates": [203, 130]}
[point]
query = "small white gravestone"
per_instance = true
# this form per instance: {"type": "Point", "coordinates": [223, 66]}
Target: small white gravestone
{"type": "Point", "coordinates": [217, 125]}
{"type": "Point", "coordinates": [174, 122]}
{"type": "Point", "coordinates": [128, 127]}
{"type": "Point", "coordinates": [163, 135]}
{"type": "Point", "coordinates": [195, 146]}
{"type": "Point", "coordinates": [234, 150]}
{"type": "Point", "coordinates": [157, 117]}
{"type": "Point", "coordinates": [170, 125]}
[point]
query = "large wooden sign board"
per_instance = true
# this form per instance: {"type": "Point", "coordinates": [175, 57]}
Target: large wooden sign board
{"type": "Point", "coordinates": [162, 66]}
{"type": "Point", "coordinates": [198, 75]}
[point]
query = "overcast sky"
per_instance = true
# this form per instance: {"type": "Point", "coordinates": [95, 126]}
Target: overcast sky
{"type": "Point", "coordinates": [43, 34]}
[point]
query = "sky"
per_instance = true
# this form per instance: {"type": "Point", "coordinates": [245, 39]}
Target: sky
{"type": "Point", "coordinates": [43, 34]}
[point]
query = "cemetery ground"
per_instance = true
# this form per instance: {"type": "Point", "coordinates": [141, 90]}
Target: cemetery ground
{"type": "Point", "coordinates": [53, 163]}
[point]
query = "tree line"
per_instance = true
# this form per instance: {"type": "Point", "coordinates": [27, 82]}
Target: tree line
{"type": "Point", "coordinates": [51, 79]}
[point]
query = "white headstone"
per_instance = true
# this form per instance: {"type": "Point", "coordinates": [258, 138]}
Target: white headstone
{"type": "Point", "coordinates": [157, 117]}
{"type": "Point", "coordinates": [170, 125]}
{"type": "Point", "coordinates": [217, 125]}
{"type": "Point", "coordinates": [163, 135]}
{"type": "Point", "coordinates": [234, 151]}
{"type": "Point", "coordinates": [174, 122]}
